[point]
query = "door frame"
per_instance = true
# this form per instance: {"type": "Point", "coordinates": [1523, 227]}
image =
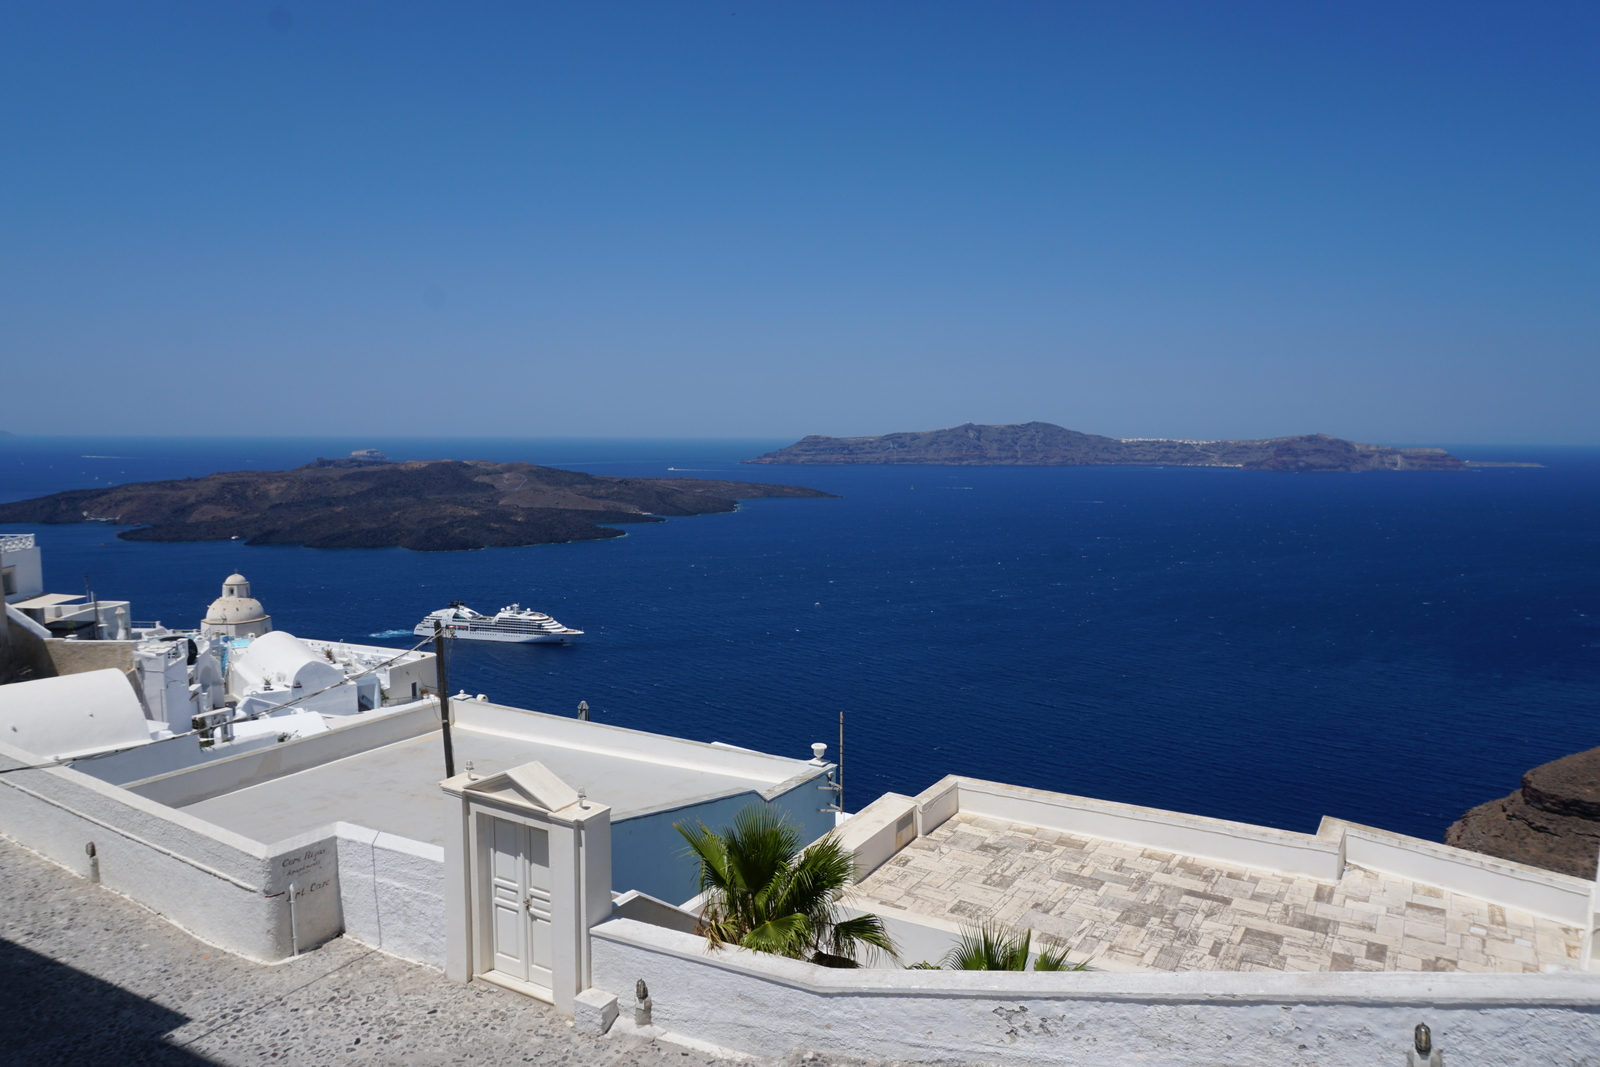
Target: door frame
{"type": "Point", "coordinates": [579, 835]}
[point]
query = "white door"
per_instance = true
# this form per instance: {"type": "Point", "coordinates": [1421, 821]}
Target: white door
{"type": "Point", "coordinates": [519, 900]}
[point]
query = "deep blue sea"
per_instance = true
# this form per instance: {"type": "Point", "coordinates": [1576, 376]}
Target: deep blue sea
{"type": "Point", "coordinates": [1386, 648]}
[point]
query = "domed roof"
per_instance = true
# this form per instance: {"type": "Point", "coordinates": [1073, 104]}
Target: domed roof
{"type": "Point", "coordinates": [235, 609]}
{"type": "Point", "coordinates": [235, 605]}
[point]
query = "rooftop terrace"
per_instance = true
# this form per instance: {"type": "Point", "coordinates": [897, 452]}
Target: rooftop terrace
{"type": "Point", "coordinates": [384, 773]}
{"type": "Point", "coordinates": [395, 787]}
{"type": "Point", "coordinates": [1141, 909]}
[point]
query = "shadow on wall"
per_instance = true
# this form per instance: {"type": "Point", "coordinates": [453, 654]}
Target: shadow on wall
{"type": "Point", "coordinates": [56, 1014]}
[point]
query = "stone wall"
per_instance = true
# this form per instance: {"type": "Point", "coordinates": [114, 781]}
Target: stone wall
{"type": "Point", "coordinates": [31, 656]}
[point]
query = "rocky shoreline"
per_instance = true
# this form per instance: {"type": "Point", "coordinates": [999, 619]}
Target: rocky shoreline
{"type": "Point", "coordinates": [1552, 821]}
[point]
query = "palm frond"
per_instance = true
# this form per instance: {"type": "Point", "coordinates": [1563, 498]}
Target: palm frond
{"type": "Point", "coordinates": [764, 893]}
{"type": "Point", "coordinates": [785, 935]}
{"type": "Point", "coordinates": [711, 851]}
{"type": "Point", "coordinates": [989, 947]}
{"type": "Point", "coordinates": [1053, 957]}
{"type": "Point", "coordinates": [862, 935]}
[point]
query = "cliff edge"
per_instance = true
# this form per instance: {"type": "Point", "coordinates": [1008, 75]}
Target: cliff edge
{"type": "Point", "coordinates": [1553, 821]}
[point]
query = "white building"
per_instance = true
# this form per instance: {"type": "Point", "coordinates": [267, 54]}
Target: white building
{"type": "Point", "coordinates": [79, 618]}
{"type": "Point", "coordinates": [21, 572]}
{"type": "Point", "coordinates": [212, 679]}
{"type": "Point", "coordinates": [278, 667]}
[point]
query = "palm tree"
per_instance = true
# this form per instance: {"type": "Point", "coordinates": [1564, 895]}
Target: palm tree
{"type": "Point", "coordinates": [763, 893]}
{"type": "Point", "coordinates": [995, 948]}
{"type": "Point", "coordinates": [1054, 958]}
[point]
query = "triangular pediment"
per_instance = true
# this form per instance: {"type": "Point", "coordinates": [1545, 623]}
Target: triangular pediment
{"type": "Point", "coordinates": [532, 782]}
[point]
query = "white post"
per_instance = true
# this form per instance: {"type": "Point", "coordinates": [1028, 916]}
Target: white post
{"type": "Point", "coordinates": [294, 933]}
{"type": "Point", "coordinates": [1591, 940]}
{"type": "Point", "coordinates": [460, 937]}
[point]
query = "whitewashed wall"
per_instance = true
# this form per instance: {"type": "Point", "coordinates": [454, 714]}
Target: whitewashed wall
{"type": "Point", "coordinates": [767, 1006]}
{"type": "Point", "coordinates": [226, 889]}
{"type": "Point", "coordinates": [1498, 881]}
{"type": "Point", "coordinates": [195, 781]}
{"type": "Point", "coordinates": [873, 834]}
{"type": "Point", "coordinates": [392, 892]}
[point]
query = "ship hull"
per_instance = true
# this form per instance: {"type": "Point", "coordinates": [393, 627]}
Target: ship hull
{"type": "Point", "coordinates": [463, 634]}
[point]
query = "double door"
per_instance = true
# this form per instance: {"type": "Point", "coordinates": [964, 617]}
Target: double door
{"type": "Point", "coordinates": [519, 900]}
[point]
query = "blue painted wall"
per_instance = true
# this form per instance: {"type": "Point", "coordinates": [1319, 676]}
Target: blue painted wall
{"type": "Point", "coordinates": [648, 853]}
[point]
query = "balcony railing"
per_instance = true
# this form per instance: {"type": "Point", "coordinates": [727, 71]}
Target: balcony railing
{"type": "Point", "coordinates": [15, 542]}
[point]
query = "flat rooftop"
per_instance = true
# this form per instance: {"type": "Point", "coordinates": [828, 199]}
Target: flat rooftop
{"type": "Point", "coordinates": [1131, 908]}
{"type": "Point", "coordinates": [395, 787]}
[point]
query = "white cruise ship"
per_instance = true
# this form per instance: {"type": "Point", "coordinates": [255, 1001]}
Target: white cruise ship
{"type": "Point", "coordinates": [514, 623]}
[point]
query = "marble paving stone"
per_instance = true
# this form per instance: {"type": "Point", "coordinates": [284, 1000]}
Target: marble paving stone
{"type": "Point", "coordinates": [1153, 910]}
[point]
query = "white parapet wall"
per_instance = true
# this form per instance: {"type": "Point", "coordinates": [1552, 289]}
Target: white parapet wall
{"type": "Point", "coordinates": [768, 1006]}
{"type": "Point", "coordinates": [227, 889]}
{"type": "Point", "coordinates": [260, 901]}
{"type": "Point", "coordinates": [879, 830]}
{"type": "Point", "coordinates": [194, 781]}
{"type": "Point", "coordinates": [392, 891]}
{"type": "Point", "coordinates": [1530, 889]}
{"type": "Point", "coordinates": [1235, 843]}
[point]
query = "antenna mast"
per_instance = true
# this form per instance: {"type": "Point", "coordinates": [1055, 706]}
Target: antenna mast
{"type": "Point", "coordinates": [839, 774]}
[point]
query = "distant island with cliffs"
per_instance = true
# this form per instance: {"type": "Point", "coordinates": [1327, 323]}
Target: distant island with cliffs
{"type": "Point", "coordinates": [1044, 444]}
{"type": "Point", "coordinates": [367, 501]}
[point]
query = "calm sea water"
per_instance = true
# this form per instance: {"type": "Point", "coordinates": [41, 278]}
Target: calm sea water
{"type": "Point", "coordinates": [1390, 649]}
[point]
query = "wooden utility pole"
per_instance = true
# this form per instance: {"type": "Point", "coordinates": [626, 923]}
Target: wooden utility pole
{"type": "Point", "coordinates": [443, 678]}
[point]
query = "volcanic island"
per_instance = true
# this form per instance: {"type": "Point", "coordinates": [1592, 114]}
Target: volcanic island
{"type": "Point", "coordinates": [426, 505]}
{"type": "Point", "coordinates": [1044, 444]}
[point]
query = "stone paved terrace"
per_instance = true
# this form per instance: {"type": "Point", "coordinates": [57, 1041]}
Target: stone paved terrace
{"type": "Point", "coordinates": [1137, 909]}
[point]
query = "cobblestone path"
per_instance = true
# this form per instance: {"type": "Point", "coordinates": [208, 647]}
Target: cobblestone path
{"type": "Point", "coordinates": [89, 978]}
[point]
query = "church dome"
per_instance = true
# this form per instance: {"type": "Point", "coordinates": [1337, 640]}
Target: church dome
{"type": "Point", "coordinates": [235, 605]}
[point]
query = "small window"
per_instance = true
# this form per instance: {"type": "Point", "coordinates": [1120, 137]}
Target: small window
{"type": "Point", "coordinates": [10, 580]}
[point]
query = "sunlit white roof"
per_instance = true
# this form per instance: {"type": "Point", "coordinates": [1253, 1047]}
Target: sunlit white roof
{"type": "Point", "coordinates": [48, 600]}
{"type": "Point", "coordinates": [76, 713]}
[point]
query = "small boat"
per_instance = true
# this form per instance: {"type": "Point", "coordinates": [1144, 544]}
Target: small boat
{"type": "Point", "coordinates": [514, 623]}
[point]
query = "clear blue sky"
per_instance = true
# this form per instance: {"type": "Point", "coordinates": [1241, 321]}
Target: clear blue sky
{"type": "Point", "coordinates": [668, 218]}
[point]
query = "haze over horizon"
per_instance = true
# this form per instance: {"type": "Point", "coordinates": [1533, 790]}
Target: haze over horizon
{"type": "Point", "coordinates": [683, 220]}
